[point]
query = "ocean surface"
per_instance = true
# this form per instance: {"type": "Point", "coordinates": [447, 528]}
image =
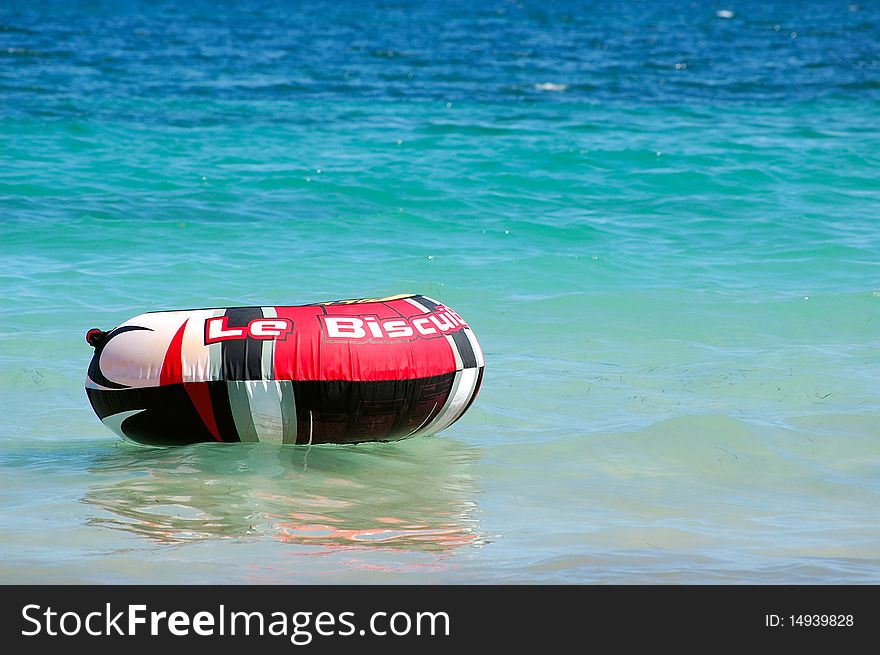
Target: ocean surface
{"type": "Point", "coordinates": [662, 220]}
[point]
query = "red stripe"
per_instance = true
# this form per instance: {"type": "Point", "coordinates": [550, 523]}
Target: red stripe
{"type": "Point", "coordinates": [172, 373]}
{"type": "Point", "coordinates": [307, 355]}
{"type": "Point", "coordinates": [172, 367]}
{"type": "Point", "coordinates": [201, 399]}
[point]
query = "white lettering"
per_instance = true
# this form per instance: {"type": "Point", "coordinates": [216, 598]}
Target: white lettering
{"type": "Point", "coordinates": [24, 614]}
{"type": "Point", "coordinates": [154, 621]}
{"type": "Point", "coordinates": [372, 327]}
{"type": "Point", "coordinates": [397, 329]}
{"type": "Point", "coordinates": [269, 328]}
{"type": "Point", "coordinates": [419, 322]}
{"type": "Point", "coordinates": [373, 629]}
{"type": "Point", "coordinates": [134, 619]}
{"type": "Point", "coordinates": [433, 616]}
{"type": "Point", "coordinates": [325, 619]}
{"type": "Point", "coordinates": [76, 621]}
{"type": "Point", "coordinates": [299, 636]}
{"type": "Point", "coordinates": [457, 318]}
{"type": "Point", "coordinates": [216, 330]}
{"type": "Point", "coordinates": [278, 627]}
{"type": "Point", "coordinates": [343, 619]}
{"type": "Point", "coordinates": [94, 633]}
{"type": "Point", "coordinates": [112, 623]}
{"type": "Point", "coordinates": [178, 624]}
{"type": "Point", "coordinates": [394, 618]}
{"type": "Point", "coordinates": [203, 624]}
{"type": "Point", "coordinates": [445, 324]}
{"type": "Point", "coordinates": [247, 621]}
{"type": "Point", "coordinates": [49, 614]}
{"type": "Point", "coordinates": [375, 330]}
{"type": "Point", "coordinates": [339, 327]}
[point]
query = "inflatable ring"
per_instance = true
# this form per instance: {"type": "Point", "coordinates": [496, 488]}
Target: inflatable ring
{"type": "Point", "coordinates": [377, 369]}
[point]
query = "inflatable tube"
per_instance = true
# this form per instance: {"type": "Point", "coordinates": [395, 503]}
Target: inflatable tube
{"type": "Point", "coordinates": [347, 371]}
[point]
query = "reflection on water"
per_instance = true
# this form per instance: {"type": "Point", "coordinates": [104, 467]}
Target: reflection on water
{"type": "Point", "coordinates": [416, 495]}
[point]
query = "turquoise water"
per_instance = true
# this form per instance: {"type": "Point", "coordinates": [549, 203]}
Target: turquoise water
{"type": "Point", "coordinates": [661, 223]}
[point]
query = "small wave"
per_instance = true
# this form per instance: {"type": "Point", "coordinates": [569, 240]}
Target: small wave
{"type": "Point", "coordinates": [21, 52]}
{"type": "Point", "coordinates": [724, 13]}
{"type": "Point", "coordinates": [551, 86]}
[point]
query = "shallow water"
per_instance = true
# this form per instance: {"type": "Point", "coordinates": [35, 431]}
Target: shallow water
{"type": "Point", "coordinates": [661, 223]}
